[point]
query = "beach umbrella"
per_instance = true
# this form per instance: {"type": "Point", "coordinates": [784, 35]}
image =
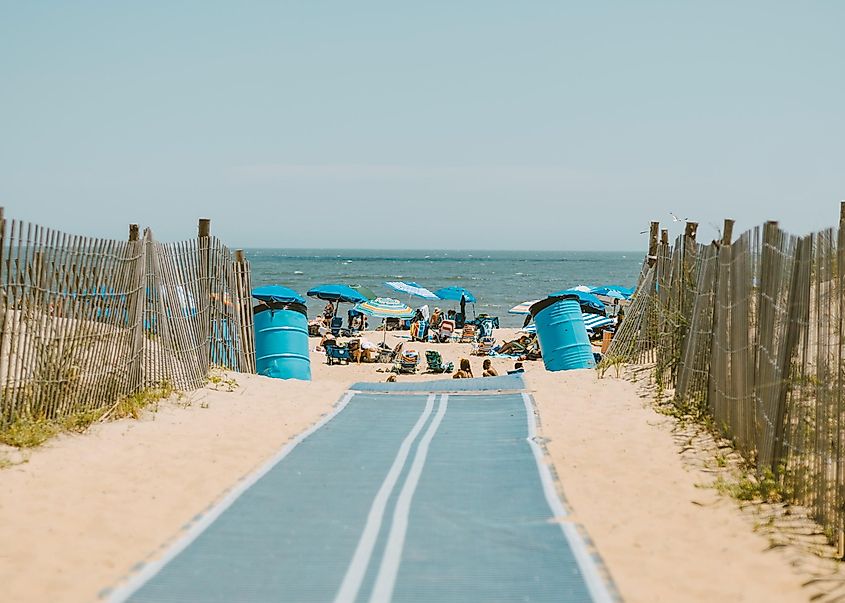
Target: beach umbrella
{"type": "Point", "coordinates": [523, 308]}
{"type": "Point", "coordinates": [336, 293]}
{"type": "Point", "coordinates": [384, 307]}
{"type": "Point", "coordinates": [587, 300]}
{"type": "Point", "coordinates": [614, 291]}
{"type": "Point", "coordinates": [365, 291]}
{"type": "Point", "coordinates": [455, 294]}
{"type": "Point", "coordinates": [411, 288]}
{"type": "Point", "coordinates": [277, 293]}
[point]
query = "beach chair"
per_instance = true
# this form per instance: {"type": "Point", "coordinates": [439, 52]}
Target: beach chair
{"type": "Point", "coordinates": [447, 329]}
{"type": "Point", "coordinates": [468, 334]}
{"type": "Point", "coordinates": [336, 327]}
{"type": "Point", "coordinates": [336, 353]}
{"type": "Point", "coordinates": [486, 325]}
{"type": "Point", "coordinates": [418, 330]}
{"type": "Point", "coordinates": [460, 320]}
{"type": "Point", "coordinates": [390, 355]}
{"type": "Point", "coordinates": [435, 363]}
{"type": "Point", "coordinates": [408, 362]}
{"type": "Point", "coordinates": [483, 346]}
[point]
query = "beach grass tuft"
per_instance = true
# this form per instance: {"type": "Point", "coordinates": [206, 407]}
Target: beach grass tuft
{"type": "Point", "coordinates": [29, 432]}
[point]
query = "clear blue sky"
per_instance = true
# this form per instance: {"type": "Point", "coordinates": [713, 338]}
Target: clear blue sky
{"type": "Point", "coordinates": [517, 125]}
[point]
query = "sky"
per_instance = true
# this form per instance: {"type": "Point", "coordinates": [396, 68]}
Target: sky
{"type": "Point", "coordinates": [431, 125]}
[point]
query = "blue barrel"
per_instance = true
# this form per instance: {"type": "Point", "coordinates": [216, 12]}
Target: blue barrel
{"type": "Point", "coordinates": [281, 341]}
{"type": "Point", "coordinates": [563, 337]}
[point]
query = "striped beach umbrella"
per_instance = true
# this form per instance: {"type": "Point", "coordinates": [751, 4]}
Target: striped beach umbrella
{"type": "Point", "coordinates": [523, 308]}
{"type": "Point", "coordinates": [411, 288]}
{"type": "Point", "coordinates": [384, 307]}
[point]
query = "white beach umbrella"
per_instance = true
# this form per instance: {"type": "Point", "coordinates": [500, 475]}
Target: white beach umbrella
{"type": "Point", "coordinates": [523, 308]}
{"type": "Point", "coordinates": [411, 289]}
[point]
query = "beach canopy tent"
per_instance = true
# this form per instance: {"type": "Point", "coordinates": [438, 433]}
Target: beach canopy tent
{"type": "Point", "coordinates": [523, 308]}
{"type": "Point", "coordinates": [411, 288]}
{"type": "Point", "coordinates": [278, 294]}
{"type": "Point", "coordinates": [384, 307]}
{"type": "Point", "coordinates": [586, 300]}
{"type": "Point", "coordinates": [613, 291]}
{"type": "Point", "coordinates": [455, 294]}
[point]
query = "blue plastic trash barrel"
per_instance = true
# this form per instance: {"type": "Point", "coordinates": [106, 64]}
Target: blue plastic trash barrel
{"type": "Point", "coordinates": [281, 336]}
{"type": "Point", "coordinates": [563, 337]}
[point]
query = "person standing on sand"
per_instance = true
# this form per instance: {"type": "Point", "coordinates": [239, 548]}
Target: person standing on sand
{"type": "Point", "coordinates": [465, 372]}
{"type": "Point", "coordinates": [328, 311]}
{"type": "Point", "coordinates": [489, 371]}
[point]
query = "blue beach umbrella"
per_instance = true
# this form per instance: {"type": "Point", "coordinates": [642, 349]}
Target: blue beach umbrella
{"type": "Point", "coordinates": [587, 300]}
{"type": "Point", "coordinates": [455, 294]}
{"type": "Point", "coordinates": [614, 291]}
{"type": "Point", "coordinates": [277, 293]}
{"type": "Point", "coordinates": [338, 293]}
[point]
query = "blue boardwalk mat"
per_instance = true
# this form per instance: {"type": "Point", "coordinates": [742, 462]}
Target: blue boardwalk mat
{"type": "Point", "coordinates": [407, 498]}
{"type": "Point", "coordinates": [479, 384]}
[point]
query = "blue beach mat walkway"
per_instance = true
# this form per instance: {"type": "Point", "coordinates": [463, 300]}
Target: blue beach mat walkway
{"type": "Point", "coordinates": [420, 497]}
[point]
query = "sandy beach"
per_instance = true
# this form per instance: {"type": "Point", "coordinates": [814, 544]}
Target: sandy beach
{"type": "Point", "coordinates": [84, 510]}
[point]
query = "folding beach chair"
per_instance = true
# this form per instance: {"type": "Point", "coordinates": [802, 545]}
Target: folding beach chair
{"type": "Point", "coordinates": [336, 353]}
{"type": "Point", "coordinates": [336, 327]}
{"type": "Point", "coordinates": [435, 363]}
{"type": "Point", "coordinates": [468, 334]}
{"type": "Point", "coordinates": [483, 347]}
{"type": "Point", "coordinates": [447, 328]}
{"type": "Point", "coordinates": [418, 330]}
{"type": "Point", "coordinates": [486, 325]}
{"type": "Point", "coordinates": [407, 362]}
{"type": "Point", "coordinates": [391, 356]}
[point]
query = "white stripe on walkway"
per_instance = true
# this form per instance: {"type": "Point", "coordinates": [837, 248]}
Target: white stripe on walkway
{"type": "Point", "coordinates": [596, 584]}
{"type": "Point", "coordinates": [386, 579]}
{"type": "Point", "coordinates": [357, 569]}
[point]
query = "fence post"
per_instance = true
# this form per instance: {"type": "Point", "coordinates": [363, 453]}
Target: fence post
{"type": "Point", "coordinates": [727, 231]}
{"type": "Point", "coordinates": [840, 380]}
{"type": "Point", "coordinates": [652, 243]}
{"type": "Point", "coordinates": [204, 288]}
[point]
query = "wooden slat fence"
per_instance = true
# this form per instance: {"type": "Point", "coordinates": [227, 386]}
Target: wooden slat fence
{"type": "Point", "coordinates": [750, 334]}
{"type": "Point", "coordinates": [86, 321]}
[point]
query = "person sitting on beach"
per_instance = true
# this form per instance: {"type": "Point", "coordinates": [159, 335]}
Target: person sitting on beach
{"type": "Point", "coordinates": [465, 372]}
{"type": "Point", "coordinates": [317, 326]}
{"type": "Point", "coordinates": [489, 371]}
{"type": "Point", "coordinates": [532, 351]}
{"type": "Point", "coordinates": [366, 351]}
{"type": "Point", "coordinates": [516, 346]}
{"type": "Point", "coordinates": [450, 315]}
{"type": "Point", "coordinates": [517, 368]}
{"type": "Point", "coordinates": [436, 320]}
{"type": "Point", "coordinates": [328, 338]}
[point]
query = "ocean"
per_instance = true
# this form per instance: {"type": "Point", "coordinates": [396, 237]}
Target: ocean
{"type": "Point", "coordinates": [498, 279]}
